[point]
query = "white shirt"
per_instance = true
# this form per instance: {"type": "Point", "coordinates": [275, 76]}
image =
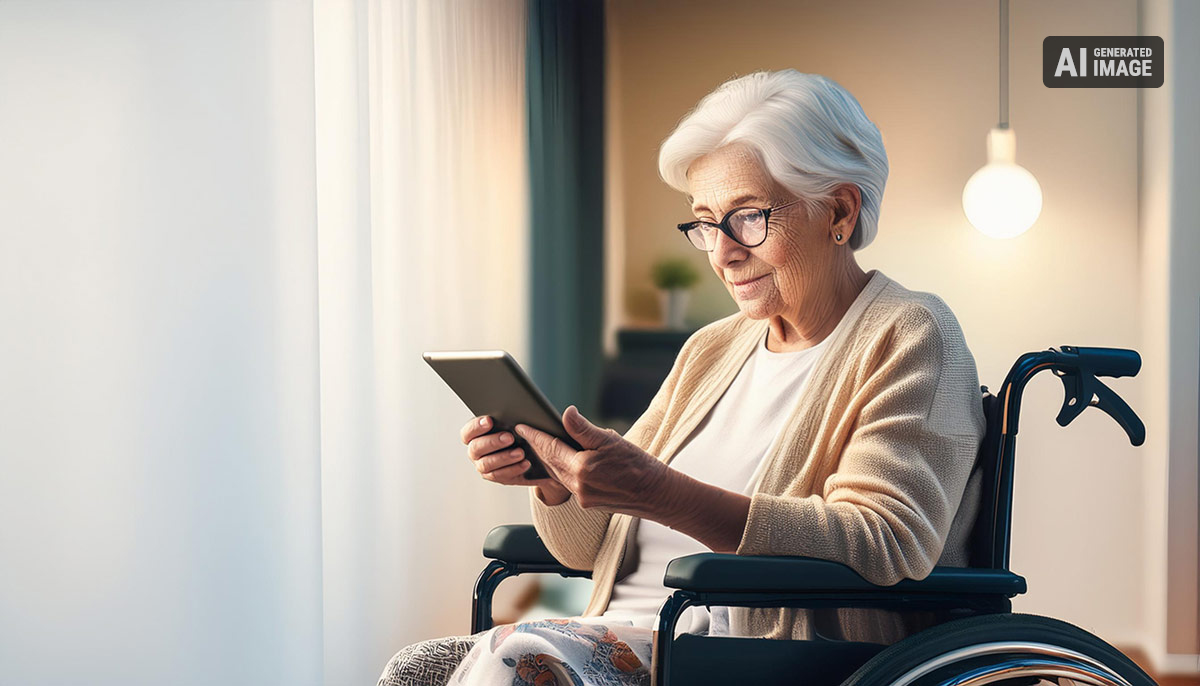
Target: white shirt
{"type": "Point", "coordinates": [726, 450]}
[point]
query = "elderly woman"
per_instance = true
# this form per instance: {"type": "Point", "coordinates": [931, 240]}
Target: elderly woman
{"type": "Point", "coordinates": [835, 415]}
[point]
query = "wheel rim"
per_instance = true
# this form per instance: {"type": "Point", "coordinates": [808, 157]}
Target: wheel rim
{"type": "Point", "coordinates": [1032, 667]}
{"type": "Point", "coordinates": [1026, 659]}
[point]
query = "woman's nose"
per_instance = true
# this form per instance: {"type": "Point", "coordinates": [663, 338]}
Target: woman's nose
{"type": "Point", "coordinates": [727, 251]}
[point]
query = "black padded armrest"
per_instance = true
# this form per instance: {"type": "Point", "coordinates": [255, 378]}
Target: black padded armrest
{"type": "Point", "coordinates": [722, 573]}
{"type": "Point", "coordinates": [518, 543]}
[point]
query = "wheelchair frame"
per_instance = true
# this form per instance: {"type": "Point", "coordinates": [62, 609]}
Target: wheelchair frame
{"type": "Point", "coordinates": [984, 588]}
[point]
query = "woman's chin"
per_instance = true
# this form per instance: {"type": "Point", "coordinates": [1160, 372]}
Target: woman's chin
{"type": "Point", "coordinates": [754, 308]}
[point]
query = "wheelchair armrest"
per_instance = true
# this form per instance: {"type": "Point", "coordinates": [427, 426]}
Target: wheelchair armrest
{"type": "Point", "coordinates": [514, 549]}
{"type": "Point", "coordinates": [520, 544]}
{"type": "Point", "coordinates": [723, 573]}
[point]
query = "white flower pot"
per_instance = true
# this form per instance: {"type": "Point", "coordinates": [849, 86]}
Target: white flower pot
{"type": "Point", "coordinates": [673, 305]}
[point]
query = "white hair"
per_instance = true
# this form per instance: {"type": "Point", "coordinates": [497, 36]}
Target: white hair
{"type": "Point", "coordinates": [809, 133]}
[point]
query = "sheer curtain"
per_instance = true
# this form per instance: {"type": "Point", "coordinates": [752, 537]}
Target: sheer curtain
{"type": "Point", "coordinates": [227, 231]}
{"type": "Point", "coordinates": [422, 222]}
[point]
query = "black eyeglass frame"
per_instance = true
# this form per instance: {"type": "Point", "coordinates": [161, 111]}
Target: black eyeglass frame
{"type": "Point", "coordinates": [724, 224]}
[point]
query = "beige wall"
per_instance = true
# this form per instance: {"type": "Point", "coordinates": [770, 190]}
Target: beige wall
{"type": "Point", "coordinates": [926, 72]}
{"type": "Point", "coordinates": [1169, 245]}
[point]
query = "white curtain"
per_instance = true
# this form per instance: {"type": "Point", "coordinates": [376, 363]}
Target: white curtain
{"type": "Point", "coordinates": [421, 197]}
{"type": "Point", "coordinates": [227, 231]}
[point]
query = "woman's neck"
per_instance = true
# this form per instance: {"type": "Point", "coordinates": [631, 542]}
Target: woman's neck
{"type": "Point", "coordinates": [816, 319]}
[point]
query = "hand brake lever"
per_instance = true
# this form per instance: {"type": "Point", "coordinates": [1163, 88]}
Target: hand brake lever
{"type": "Point", "coordinates": [1081, 386]}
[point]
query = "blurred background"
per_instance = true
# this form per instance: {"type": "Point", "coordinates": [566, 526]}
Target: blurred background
{"type": "Point", "coordinates": [228, 230]}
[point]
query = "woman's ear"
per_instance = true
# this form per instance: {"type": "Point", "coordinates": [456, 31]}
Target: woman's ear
{"type": "Point", "coordinates": [846, 201]}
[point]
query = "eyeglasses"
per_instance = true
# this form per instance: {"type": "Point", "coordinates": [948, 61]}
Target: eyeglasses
{"type": "Point", "coordinates": [745, 225]}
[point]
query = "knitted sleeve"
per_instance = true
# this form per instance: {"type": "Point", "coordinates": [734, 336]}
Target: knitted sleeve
{"type": "Point", "coordinates": [887, 507]}
{"type": "Point", "coordinates": [574, 534]}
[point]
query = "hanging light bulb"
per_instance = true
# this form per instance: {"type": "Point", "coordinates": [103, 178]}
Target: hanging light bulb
{"type": "Point", "coordinates": [1002, 199]}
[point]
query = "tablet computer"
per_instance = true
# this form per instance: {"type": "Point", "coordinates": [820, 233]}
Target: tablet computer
{"type": "Point", "coordinates": [490, 382]}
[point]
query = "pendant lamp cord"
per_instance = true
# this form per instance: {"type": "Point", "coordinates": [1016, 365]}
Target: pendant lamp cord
{"type": "Point", "coordinates": [1003, 64]}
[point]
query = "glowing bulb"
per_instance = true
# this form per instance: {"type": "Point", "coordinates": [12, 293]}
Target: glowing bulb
{"type": "Point", "coordinates": [1002, 199]}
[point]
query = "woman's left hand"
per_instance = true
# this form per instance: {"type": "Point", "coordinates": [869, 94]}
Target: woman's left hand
{"type": "Point", "coordinates": [610, 473]}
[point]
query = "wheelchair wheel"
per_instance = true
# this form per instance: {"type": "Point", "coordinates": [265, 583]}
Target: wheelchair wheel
{"type": "Point", "coordinates": [1000, 649]}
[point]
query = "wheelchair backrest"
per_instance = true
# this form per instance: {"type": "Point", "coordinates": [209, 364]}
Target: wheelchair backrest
{"type": "Point", "coordinates": [989, 536]}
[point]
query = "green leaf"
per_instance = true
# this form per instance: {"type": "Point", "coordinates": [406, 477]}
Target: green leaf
{"type": "Point", "coordinates": [674, 272]}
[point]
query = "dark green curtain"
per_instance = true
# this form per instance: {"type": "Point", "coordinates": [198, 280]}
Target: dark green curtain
{"type": "Point", "coordinates": [565, 97]}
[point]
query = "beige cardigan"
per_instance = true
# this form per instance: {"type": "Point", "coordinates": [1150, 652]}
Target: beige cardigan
{"type": "Point", "coordinates": [874, 468]}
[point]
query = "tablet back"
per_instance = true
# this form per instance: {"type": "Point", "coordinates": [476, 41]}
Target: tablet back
{"type": "Point", "coordinates": [490, 382]}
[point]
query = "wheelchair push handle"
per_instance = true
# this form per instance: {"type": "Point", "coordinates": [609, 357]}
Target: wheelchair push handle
{"type": "Point", "coordinates": [1114, 362]}
{"type": "Point", "coordinates": [1078, 368]}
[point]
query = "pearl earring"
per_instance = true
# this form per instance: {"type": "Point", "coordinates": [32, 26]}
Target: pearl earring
{"type": "Point", "coordinates": [839, 237]}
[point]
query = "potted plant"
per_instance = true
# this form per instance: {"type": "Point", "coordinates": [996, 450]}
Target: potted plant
{"type": "Point", "coordinates": [674, 276]}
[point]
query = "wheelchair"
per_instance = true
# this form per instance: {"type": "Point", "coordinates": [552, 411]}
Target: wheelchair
{"type": "Point", "coordinates": [981, 642]}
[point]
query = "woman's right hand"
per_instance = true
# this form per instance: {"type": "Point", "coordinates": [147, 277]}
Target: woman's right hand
{"type": "Point", "coordinates": [497, 459]}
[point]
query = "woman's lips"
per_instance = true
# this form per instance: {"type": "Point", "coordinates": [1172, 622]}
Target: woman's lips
{"type": "Point", "coordinates": [748, 287]}
{"type": "Point", "coordinates": [743, 283]}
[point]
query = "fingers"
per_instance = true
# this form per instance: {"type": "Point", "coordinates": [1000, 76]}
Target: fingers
{"type": "Point", "coordinates": [510, 474]}
{"type": "Point", "coordinates": [496, 460]}
{"type": "Point", "coordinates": [486, 445]}
{"type": "Point", "coordinates": [546, 446]}
{"type": "Point", "coordinates": [476, 427]}
{"type": "Point", "coordinates": [587, 434]}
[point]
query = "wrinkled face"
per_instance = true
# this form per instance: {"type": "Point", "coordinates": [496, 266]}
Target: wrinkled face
{"type": "Point", "coordinates": [798, 250]}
